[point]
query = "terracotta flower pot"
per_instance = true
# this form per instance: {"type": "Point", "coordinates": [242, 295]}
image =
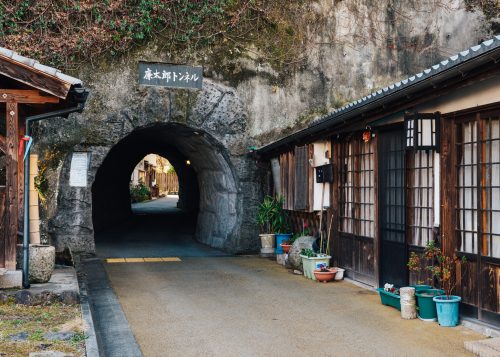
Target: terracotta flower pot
{"type": "Point", "coordinates": [285, 247]}
{"type": "Point", "coordinates": [325, 276]}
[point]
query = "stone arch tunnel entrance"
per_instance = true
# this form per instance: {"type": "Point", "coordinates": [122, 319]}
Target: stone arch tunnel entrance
{"type": "Point", "coordinates": [207, 189]}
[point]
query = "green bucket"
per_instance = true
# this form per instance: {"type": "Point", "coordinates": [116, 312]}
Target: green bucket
{"type": "Point", "coordinates": [426, 306]}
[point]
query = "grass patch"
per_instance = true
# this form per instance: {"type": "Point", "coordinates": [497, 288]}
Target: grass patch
{"type": "Point", "coordinates": [34, 322]}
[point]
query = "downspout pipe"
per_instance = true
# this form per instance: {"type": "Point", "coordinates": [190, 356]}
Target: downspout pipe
{"type": "Point", "coordinates": [31, 119]}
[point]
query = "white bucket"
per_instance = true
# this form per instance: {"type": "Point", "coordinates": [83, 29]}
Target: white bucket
{"type": "Point", "coordinates": [340, 273]}
{"type": "Point", "coordinates": [408, 303]}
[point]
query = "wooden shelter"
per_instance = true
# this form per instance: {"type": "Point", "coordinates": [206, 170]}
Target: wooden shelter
{"type": "Point", "coordinates": [414, 162]}
{"type": "Point", "coordinates": [27, 89]}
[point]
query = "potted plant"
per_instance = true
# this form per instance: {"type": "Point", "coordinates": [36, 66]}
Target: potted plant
{"type": "Point", "coordinates": [312, 261]}
{"type": "Point", "coordinates": [287, 244]}
{"type": "Point", "coordinates": [418, 264]}
{"type": "Point", "coordinates": [325, 274]}
{"type": "Point", "coordinates": [280, 225]}
{"type": "Point", "coordinates": [266, 217]}
{"type": "Point", "coordinates": [389, 295]}
{"type": "Point", "coordinates": [444, 271]}
{"type": "Point", "coordinates": [441, 269]}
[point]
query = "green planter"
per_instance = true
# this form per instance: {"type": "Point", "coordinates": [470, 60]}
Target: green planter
{"type": "Point", "coordinates": [389, 299]}
{"type": "Point", "coordinates": [420, 287]}
{"type": "Point", "coordinates": [426, 305]}
{"type": "Point", "coordinates": [309, 264]}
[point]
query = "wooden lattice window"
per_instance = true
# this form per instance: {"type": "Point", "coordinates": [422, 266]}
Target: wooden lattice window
{"type": "Point", "coordinates": [420, 196]}
{"type": "Point", "coordinates": [357, 188]}
{"type": "Point", "coordinates": [478, 169]}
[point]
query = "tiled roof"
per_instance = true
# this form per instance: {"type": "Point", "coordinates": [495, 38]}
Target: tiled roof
{"type": "Point", "coordinates": [398, 89]}
{"type": "Point", "coordinates": [40, 67]}
{"type": "Point", "coordinates": [422, 76]}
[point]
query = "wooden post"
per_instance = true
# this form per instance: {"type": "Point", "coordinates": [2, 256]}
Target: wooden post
{"type": "Point", "coordinates": [11, 198]}
{"type": "Point", "coordinates": [448, 184]}
{"type": "Point", "coordinates": [14, 169]}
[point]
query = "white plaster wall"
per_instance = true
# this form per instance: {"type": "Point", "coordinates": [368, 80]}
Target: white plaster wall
{"type": "Point", "coordinates": [320, 149]}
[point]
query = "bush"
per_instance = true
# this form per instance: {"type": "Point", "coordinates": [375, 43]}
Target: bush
{"type": "Point", "coordinates": [139, 193]}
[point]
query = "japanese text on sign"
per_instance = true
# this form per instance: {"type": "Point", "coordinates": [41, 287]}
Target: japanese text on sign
{"type": "Point", "coordinates": [169, 75]}
{"type": "Point", "coordinates": [78, 170]}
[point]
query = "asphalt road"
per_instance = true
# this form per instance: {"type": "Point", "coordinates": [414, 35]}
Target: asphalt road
{"type": "Point", "coordinates": [249, 306]}
{"type": "Point", "coordinates": [211, 304]}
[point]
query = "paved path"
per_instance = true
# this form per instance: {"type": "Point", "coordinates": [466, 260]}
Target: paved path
{"type": "Point", "coordinates": [248, 306]}
{"type": "Point", "coordinates": [211, 304]}
{"type": "Point", "coordinates": [158, 229]}
{"type": "Point", "coordinates": [162, 205]}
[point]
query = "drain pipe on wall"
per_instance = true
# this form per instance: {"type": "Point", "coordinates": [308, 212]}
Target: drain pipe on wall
{"type": "Point", "coordinates": [81, 96]}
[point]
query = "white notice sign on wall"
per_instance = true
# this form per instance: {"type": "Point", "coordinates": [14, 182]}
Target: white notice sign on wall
{"type": "Point", "coordinates": [78, 172]}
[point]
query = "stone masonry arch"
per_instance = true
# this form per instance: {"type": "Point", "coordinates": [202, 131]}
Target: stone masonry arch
{"type": "Point", "coordinates": [208, 127]}
{"type": "Point", "coordinates": [213, 174]}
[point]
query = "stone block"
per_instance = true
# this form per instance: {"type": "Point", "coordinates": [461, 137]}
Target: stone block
{"type": "Point", "coordinates": [70, 297]}
{"type": "Point", "coordinates": [24, 297]}
{"type": "Point", "coordinates": [50, 354]}
{"type": "Point", "coordinates": [11, 279]}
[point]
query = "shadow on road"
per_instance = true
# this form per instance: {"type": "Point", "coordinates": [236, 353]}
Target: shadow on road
{"type": "Point", "coordinates": [157, 229]}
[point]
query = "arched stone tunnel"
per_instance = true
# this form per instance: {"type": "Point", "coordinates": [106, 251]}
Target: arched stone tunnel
{"type": "Point", "coordinates": [209, 128]}
{"type": "Point", "coordinates": [207, 186]}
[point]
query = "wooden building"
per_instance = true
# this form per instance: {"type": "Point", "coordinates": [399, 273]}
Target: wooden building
{"type": "Point", "coordinates": [413, 162]}
{"type": "Point", "coordinates": [28, 90]}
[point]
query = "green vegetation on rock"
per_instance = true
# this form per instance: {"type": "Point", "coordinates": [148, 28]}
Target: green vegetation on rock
{"type": "Point", "coordinates": [69, 33]}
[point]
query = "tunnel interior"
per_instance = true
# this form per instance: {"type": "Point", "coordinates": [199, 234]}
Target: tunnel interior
{"type": "Point", "coordinates": [207, 190]}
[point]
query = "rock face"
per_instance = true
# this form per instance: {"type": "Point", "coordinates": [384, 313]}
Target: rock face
{"type": "Point", "coordinates": [300, 243]}
{"type": "Point", "coordinates": [352, 49]}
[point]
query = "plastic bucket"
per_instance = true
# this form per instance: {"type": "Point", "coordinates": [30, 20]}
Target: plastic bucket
{"type": "Point", "coordinates": [340, 273]}
{"type": "Point", "coordinates": [426, 304]}
{"type": "Point", "coordinates": [280, 238]}
{"type": "Point", "coordinates": [447, 308]}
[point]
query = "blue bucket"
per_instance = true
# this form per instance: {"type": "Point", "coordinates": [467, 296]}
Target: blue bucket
{"type": "Point", "coordinates": [280, 238]}
{"type": "Point", "coordinates": [447, 308]}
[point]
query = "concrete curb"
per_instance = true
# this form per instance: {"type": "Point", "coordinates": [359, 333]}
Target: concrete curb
{"type": "Point", "coordinates": [113, 334]}
{"type": "Point", "coordinates": [91, 347]}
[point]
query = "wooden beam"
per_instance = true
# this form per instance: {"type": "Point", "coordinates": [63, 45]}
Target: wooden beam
{"type": "Point", "coordinates": [11, 192]}
{"type": "Point", "coordinates": [3, 144]}
{"type": "Point", "coordinates": [34, 77]}
{"type": "Point", "coordinates": [26, 96]}
{"type": "Point", "coordinates": [2, 227]}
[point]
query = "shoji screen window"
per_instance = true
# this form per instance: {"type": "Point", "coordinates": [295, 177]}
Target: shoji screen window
{"type": "Point", "coordinates": [420, 196]}
{"type": "Point", "coordinates": [478, 169]}
{"type": "Point", "coordinates": [357, 188]}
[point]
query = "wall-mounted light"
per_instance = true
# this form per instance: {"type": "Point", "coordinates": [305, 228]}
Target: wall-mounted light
{"type": "Point", "coordinates": [422, 131]}
{"type": "Point", "coordinates": [188, 162]}
{"type": "Point", "coordinates": [367, 136]}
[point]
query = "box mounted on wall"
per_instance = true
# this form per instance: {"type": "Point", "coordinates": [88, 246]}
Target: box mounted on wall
{"type": "Point", "coordinates": [324, 173]}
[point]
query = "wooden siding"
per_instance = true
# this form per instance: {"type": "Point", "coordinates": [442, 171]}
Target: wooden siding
{"type": "Point", "coordinates": [301, 178]}
{"type": "Point", "coordinates": [167, 182]}
{"type": "Point", "coordinates": [296, 179]}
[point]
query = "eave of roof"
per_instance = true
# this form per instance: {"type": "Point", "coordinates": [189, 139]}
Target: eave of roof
{"type": "Point", "coordinates": [433, 74]}
{"type": "Point", "coordinates": [37, 67]}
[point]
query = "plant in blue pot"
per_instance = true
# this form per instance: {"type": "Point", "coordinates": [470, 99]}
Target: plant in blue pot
{"type": "Point", "coordinates": [444, 271]}
{"type": "Point", "coordinates": [280, 225]}
{"type": "Point", "coordinates": [418, 265]}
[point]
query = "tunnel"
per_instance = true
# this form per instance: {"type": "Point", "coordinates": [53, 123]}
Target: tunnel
{"type": "Point", "coordinates": [207, 187]}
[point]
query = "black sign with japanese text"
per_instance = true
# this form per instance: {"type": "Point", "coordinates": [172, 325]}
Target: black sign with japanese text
{"type": "Point", "coordinates": [170, 75]}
